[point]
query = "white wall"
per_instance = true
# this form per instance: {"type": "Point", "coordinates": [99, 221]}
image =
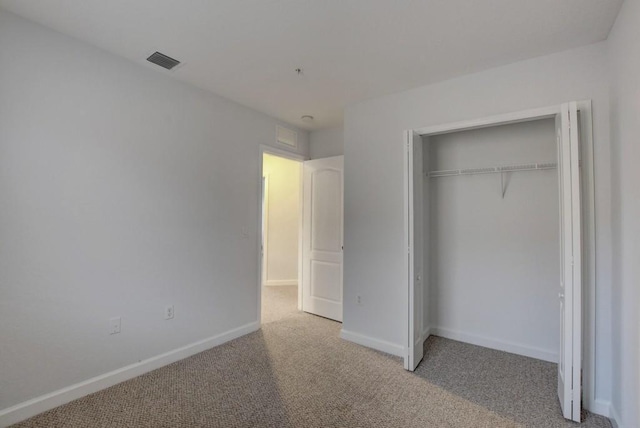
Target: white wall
{"type": "Point", "coordinates": [374, 209]}
{"type": "Point", "coordinates": [624, 49]}
{"type": "Point", "coordinates": [122, 191]}
{"type": "Point", "coordinates": [282, 220]}
{"type": "Point", "coordinates": [494, 261]}
{"type": "Point", "coordinates": [325, 143]}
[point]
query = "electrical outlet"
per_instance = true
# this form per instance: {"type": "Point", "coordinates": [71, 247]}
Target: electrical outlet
{"type": "Point", "coordinates": [168, 312]}
{"type": "Point", "coordinates": [359, 299]}
{"type": "Point", "coordinates": [115, 324]}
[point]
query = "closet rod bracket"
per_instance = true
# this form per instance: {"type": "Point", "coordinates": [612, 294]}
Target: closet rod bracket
{"type": "Point", "coordinates": [502, 183]}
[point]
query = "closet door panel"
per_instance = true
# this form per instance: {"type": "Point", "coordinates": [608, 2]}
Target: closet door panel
{"type": "Point", "coordinates": [570, 284]}
{"type": "Point", "coordinates": [415, 221]}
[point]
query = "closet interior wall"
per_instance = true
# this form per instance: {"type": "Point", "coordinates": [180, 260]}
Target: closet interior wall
{"type": "Point", "coordinates": [492, 261]}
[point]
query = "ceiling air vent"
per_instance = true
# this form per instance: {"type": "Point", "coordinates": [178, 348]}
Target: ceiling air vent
{"type": "Point", "coordinates": [163, 60]}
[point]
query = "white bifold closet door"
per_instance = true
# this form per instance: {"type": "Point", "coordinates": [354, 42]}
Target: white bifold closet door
{"type": "Point", "coordinates": [570, 284]}
{"type": "Point", "coordinates": [416, 249]}
{"type": "Point", "coordinates": [570, 281]}
{"type": "Point", "coordinates": [322, 234]}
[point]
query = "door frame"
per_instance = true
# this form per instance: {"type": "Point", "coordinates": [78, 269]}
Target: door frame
{"type": "Point", "coordinates": [264, 229]}
{"type": "Point", "coordinates": [265, 149]}
{"type": "Point", "coordinates": [588, 223]}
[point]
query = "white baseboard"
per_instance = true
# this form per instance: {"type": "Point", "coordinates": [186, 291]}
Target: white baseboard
{"type": "Point", "coordinates": [615, 417]}
{"type": "Point", "coordinates": [370, 342]}
{"type": "Point", "coordinates": [514, 348]}
{"type": "Point", "coordinates": [27, 409]}
{"type": "Point", "coordinates": [600, 407]}
{"type": "Point", "coordinates": [280, 282]}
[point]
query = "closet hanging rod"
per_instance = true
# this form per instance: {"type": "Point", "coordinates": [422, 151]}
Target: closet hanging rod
{"type": "Point", "coordinates": [493, 170]}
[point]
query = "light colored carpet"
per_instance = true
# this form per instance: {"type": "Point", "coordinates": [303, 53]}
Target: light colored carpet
{"type": "Point", "coordinates": [281, 303]}
{"type": "Point", "coordinates": [297, 372]}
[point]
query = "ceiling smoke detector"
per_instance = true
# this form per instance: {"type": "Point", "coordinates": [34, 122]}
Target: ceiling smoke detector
{"type": "Point", "coordinates": [307, 118]}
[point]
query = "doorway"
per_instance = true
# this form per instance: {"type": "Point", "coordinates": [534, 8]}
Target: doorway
{"type": "Point", "coordinates": [461, 282]}
{"type": "Point", "coordinates": [280, 235]}
{"type": "Point", "coordinates": [301, 235]}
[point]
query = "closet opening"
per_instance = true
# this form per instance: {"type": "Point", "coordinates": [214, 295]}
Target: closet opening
{"type": "Point", "coordinates": [498, 221]}
{"type": "Point", "coordinates": [493, 233]}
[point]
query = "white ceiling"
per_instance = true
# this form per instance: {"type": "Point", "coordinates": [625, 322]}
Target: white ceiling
{"type": "Point", "coordinates": [350, 50]}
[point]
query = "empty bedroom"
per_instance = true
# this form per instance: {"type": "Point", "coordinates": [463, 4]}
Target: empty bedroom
{"type": "Point", "coordinates": [319, 213]}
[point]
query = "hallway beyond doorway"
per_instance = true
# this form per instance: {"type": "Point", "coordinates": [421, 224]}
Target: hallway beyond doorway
{"type": "Point", "coordinates": [279, 303]}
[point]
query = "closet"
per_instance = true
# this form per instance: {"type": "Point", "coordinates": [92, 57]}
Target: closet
{"type": "Point", "coordinates": [493, 233]}
{"type": "Point", "coordinates": [494, 239]}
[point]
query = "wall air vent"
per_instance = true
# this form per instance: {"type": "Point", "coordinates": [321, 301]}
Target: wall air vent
{"type": "Point", "coordinates": [286, 136]}
{"type": "Point", "coordinates": [163, 60]}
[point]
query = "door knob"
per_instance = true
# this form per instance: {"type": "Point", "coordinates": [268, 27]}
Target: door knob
{"type": "Point", "coordinates": [561, 295]}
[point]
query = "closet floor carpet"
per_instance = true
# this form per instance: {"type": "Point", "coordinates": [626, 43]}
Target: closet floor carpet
{"type": "Point", "coordinates": [297, 372]}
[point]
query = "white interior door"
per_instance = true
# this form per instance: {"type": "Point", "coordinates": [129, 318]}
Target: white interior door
{"type": "Point", "coordinates": [322, 229]}
{"type": "Point", "coordinates": [570, 293]}
{"type": "Point", "coordinates": [415, 221]}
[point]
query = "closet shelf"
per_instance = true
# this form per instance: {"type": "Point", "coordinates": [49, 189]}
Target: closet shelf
{"type": "Point", "coordinates": [493, 170]}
